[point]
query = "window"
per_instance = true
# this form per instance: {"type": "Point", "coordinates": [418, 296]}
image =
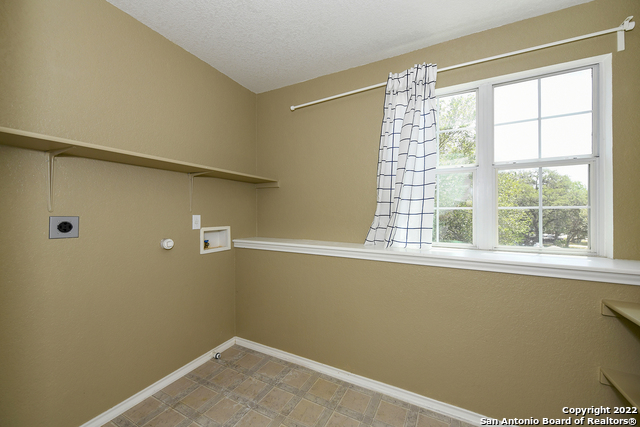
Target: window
{"type": "Point", "coordinates": [522, 161]}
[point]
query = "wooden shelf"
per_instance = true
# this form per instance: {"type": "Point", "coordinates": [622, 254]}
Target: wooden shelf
{"type": "Point", "coordinates": [627, 384]}
{"type": "Point", "coordinates": [628, 310]}
{"type": "Point", "coordinates": [35, 141]}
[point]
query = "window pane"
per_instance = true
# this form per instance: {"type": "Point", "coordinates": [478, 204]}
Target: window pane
{"type": "Point", "coordinates": [457, 129]}
{"type": "Point", "coordinates": [453, 221]}
{"type": "Point", "coordinates": [454, 190]}
{"type": "Point", "coordinates": [517, 141]}
{"type": "Point", "coordinates": [565, 186]}
{"type": "Point", "coordinates": [567, 136]}
{"type": "Point", "coordinates": [566, 228]}
{"type": "Point", "coordinates": [457, 111]}
{"type": "Point", "coordinates": [518, 101]}
{"type": "Point", "coordinates": [566, 93]}
{"type": "Point", "coordinates": [518, 227]}
{"type": "Point", "coordinates": [457, 148]}
{"type": "Point", "coordinates": [518, 188]}
{"type": "Point", "coordinates": [455, 226]}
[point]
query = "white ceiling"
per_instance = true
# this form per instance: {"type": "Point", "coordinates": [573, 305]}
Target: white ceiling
{"type": "Point", "coordinates": [268, 44]}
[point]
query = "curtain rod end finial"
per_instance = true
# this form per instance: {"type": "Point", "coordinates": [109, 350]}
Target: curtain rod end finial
{"type": "Point", "coordinates": [293, 108]}
{"type": "Point", "coordinates": [628, 23]}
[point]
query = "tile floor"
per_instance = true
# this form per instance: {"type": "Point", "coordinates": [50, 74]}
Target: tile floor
{"type": "Point", "coordinates": [247, 388]}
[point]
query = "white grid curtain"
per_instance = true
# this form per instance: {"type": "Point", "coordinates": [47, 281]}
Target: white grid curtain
{"type": "Point", "coordinates": [407, 161]}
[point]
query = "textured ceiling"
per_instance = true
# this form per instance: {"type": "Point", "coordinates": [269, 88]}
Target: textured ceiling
{"type": "Point", "coordinates": [268, 44]}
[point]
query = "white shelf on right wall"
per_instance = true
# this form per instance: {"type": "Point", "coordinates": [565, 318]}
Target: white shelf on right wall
{"type": "Point", "coordinates": [627, 384]}
{"type": "Point", "coordinates": [215, 239]}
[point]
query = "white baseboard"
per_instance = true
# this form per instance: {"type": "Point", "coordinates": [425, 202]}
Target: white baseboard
{"type": "Point", "coordinates": [389, 390]}
{"type": "Point", "coordinates": [123, 407]}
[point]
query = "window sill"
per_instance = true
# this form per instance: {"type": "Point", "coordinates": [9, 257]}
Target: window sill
{"type": "Point", "coordinates": [594, 269]}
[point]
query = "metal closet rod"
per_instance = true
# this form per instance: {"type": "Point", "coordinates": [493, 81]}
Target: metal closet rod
{"type": "Point", "coordinates": [627, 25]}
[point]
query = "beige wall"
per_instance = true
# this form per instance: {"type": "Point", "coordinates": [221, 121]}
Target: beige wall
{"type": "Point", "coordinates": [497, 344]}
{"type": "Point", "coordinates": [86, 323]}
{"type": "Point", "coordinates": [501, 345]}
{"type": "Point", "coordinates": [87, 71]}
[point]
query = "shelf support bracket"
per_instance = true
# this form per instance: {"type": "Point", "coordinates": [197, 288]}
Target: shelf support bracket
{"type": "Point", "coordinates": [51, 157]}
{"type": "Point", "coordinates": [606, 311]}
{"type": "Point", "coordinates": [191, 176]}
{"type": "Point", "coordinates": [603, 378]}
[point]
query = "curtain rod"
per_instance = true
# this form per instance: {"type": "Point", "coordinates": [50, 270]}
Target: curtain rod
{"type": "Point", "coordinates": [627, 25]}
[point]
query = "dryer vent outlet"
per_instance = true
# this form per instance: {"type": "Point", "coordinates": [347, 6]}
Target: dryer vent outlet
{"type": "Point", "coordinates": [63, 227]}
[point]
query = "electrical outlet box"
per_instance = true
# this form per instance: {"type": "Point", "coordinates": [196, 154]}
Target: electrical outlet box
{"type": "Point", "coordinates": [64, 227]}
{"type": "Point", "coordinates": [195, 222]}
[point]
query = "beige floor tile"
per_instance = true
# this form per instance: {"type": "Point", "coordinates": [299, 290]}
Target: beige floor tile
{"type": "Point", "coordinates": [339, 420]}
{"type": "Point", "coordinates": [223, 410]}
{"type": "Point", "coordinates": [206, 369]}
{"type": "Point", "coordinates": [306, 412]}
{"type": "Point", "coordinates": [271, 369]}
{"type": "Point", "coordinates": [355, 401]}
{"type": "Point", "coordinates": [276, 399]}
{"type": "Point", "coordinates": [199, 397]}
{"type": "Point", "coordinates": [176, 387]}
{"type": "Point", "coordinates": [424, 421]}
{"type": "Point", "coordinates": [142, 409]}
{"type": "Point", "coordinates": [248, 361]}
{"type": "Point", "coordinates": [253, 419]}
{"type": "Point", "coordinates": [168, 418]}
{"type": "Point", "coordinates": [229, 353]}
{"type": "Point", "coordinates": [296, 378]}
{"type": "Point", "coordinates": [250, 388]}
{"type": "Point", "coordinates": [391, 414]}
{"type": "Point", "coordinates": [323, 389]}
{"type": "Point", "coordinates": [227, 378]}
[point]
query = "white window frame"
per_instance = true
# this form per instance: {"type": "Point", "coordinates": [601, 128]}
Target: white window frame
{"type": "Point", "coordinates": [485, 209]}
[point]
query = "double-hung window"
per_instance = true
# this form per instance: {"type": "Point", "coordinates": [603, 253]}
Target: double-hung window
{"type": "Point", "coordinates": [523, 162]}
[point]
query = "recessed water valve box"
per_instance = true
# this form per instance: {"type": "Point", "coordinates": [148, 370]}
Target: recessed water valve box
{"type": "Point", "coordinates": [63, 227]}
{"type": "Point", "coordinates": [215, 239]}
